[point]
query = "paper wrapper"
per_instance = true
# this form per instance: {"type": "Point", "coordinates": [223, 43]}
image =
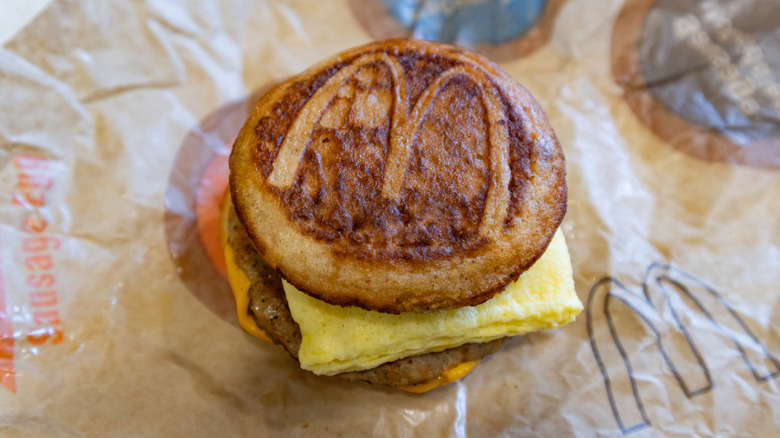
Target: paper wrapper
{"type": "Point", "coordinates": [114, 125]}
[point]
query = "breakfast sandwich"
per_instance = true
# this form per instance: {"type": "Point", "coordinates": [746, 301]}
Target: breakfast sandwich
{"type": "Point", "coordinates": [393, 215]}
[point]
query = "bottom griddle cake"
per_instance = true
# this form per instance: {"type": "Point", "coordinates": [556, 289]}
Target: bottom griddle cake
{"type": "Point", "coordinates": [268, 306]}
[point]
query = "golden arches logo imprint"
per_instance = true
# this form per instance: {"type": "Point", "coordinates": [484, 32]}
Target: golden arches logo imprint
{"type": "Point", "coordinates": [405, 127]}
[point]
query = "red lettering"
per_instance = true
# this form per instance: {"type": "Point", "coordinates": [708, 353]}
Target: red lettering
{"type": "Point", "coordinates": [46, 298]}
{"type": "Point", "coordinates": [26, 198]}
{"type": "Point", "coordinates": [31, 189]}
{"type": "Point", "coordinates": [34, 181]}
{"type": "Point", "coordinates": [40, 281]}
{"type": "Point", "coordinates": [41, 335]}
{"type": "Point", "coordinates": [40, 243]}
{"type": "Point", "coordinates": [6, 347]}
{"type": "Point", "coordinates": [40, 262]}
{"type": "Point", "coordinates": [31, 162]}
{"type": "Point", "coordinates": [34, 224]}
{"type": "Point", "coordinates": [47, 317]}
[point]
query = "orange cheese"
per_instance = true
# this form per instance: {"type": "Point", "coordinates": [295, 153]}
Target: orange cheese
{"type": "Point", "coordinates": [239, 283]}
{"type": "Point", "coordinates": [448, 376]}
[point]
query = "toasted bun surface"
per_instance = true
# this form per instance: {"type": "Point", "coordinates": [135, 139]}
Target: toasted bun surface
{"type": "Point", "coordinates": [268, 306]}
{"type": "Point", "coordinates": [399, 176]}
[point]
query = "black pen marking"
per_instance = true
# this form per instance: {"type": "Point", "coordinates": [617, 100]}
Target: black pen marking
{"type": "Point", "coordinates": [669, 281]}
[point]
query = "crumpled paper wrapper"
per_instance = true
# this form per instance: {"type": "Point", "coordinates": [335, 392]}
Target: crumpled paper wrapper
{"type": "Point", "coordinates": [116, 321]}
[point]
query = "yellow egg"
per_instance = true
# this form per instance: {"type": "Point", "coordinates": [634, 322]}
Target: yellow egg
{"type": "Point", "coordinates": [341, 339]}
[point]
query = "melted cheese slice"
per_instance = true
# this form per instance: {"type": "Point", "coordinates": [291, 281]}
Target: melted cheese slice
{"type": "Point", "coordinates": [341, 339]}
{"type": "Point", "coordinates": [239, 282]}
{"type": "Point", "coordinates": [239, 285]}
{"type": "Point", "coordinates": [447, 376]}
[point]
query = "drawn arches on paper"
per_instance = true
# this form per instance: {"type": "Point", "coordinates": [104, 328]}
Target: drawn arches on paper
{"type": "Point", "coordinates": [664, 284]}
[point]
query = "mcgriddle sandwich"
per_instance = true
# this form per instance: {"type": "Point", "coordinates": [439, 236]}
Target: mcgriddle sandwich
{"type": "Point", "coordinates": [394, 215]}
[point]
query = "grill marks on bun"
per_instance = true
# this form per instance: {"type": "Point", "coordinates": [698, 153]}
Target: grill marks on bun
{"type": "Point", "coordinates": [400, 176]}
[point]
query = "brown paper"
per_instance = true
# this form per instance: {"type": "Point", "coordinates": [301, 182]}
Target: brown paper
{"type": "Point", "coordinates": [116, 321]}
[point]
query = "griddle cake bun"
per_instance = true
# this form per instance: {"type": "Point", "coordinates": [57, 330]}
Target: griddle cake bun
{"type": "Point", "coordinates": [269, 309]}
{"type": "Point", "coordinates": [399, 176]}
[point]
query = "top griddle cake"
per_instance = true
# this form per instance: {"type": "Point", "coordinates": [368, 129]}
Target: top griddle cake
{"type": "Point", "coordinates": [399, 176]}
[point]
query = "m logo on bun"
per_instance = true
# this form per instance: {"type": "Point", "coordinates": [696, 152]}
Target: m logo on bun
{"type": "Point", "coordinates": [400, 153]}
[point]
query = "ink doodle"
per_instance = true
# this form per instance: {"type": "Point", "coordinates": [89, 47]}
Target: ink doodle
{"type": "Point", "coordinates": [661, 308]}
